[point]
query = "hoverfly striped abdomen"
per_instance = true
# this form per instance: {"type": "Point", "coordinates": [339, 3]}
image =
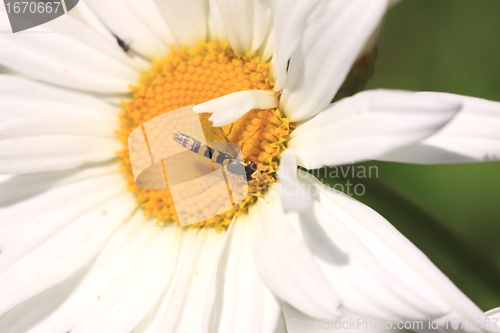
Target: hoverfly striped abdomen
{"type": "Point", "coordinates": [233, 165]}
{"type": "Point", "coordinates": [188, 142]}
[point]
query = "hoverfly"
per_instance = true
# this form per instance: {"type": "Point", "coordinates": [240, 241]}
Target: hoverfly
{"type": "Point", "coordinates": [224, 153]}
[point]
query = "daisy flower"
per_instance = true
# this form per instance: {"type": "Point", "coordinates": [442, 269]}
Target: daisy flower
{"type": "Point", "coordinates": [84, 249]}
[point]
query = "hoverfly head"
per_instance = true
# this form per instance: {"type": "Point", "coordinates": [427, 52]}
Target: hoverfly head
{"type": "Point", "coordinates": [251, 170]}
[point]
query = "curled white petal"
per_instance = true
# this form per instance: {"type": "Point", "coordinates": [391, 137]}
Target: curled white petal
{"type": "Point", "coordinates": [294, 197]}
{"type": "Point", "coordinates": [286, 265]}
{"type": "Point", "coordinates": [368, 125]}
{"type": "Point", "coordinates": [229, 108]}
{"type": "Point", "coordinates": [472, 136]}
{"type": "Point", "coordinates": [330, 44]}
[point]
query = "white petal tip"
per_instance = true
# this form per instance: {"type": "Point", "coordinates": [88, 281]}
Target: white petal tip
{"type": "Point", "coordinates": [230, 108]}
{"type": "Point", "coordinates": [295, 195]}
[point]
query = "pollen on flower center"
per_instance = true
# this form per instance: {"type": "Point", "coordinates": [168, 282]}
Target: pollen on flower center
{"type": "Point", "coordinates": [193, 76]}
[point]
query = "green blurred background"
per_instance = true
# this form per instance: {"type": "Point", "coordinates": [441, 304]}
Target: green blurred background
{"type": "Point", "coordinates": [451, 212]}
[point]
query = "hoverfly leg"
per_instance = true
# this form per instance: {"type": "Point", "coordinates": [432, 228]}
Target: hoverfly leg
{"type": "Point", "coordinates": [230, 129]}
{"type": "Point", "coordinates": [243, 143]}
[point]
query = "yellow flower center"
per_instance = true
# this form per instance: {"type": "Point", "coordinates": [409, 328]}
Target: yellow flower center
{"type": "Point", "coordinates": [193, 76]}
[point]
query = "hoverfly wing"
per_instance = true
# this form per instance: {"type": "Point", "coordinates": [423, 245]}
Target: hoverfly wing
{"type": "Point", "coordinates": [186, 166]}
{"type": "Point", "coordinates": [217, 135]}
{"type": "Point", "coordinates": [192, 190]}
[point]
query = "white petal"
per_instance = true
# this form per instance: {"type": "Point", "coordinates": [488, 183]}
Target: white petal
{"type": "Point", "coordinates": [268, 47]}
{"type": "Point", "coordinates": [25, 200]}
{"type": "Point", "coordinates": [263, 28]}
{"type": "Point", "coordinates": [472, 136]}
{"type": "Point", "coordinates": [490, 323]}
{"type": "Point", "coordinates": [140, 288]}
{"type": "Point", "coordinates": [348, 322]}
{"type": "Point", "coordinates": [286, 265]}
{"type": "Point", "coordinates": [494, 316]}
{"type": "Point", "coordinates": [19, 190]}
{"type": "Point", "coordinates": [136, 25]}
{"type": "Point", "coordinates": [229, 108]}
{"type": "Point", "coordinates": [26, 315]}
{"type": "Point", "coordinates": [152, 321]}
{"type": "Point", "coordinates": [84, 197]}
{"type": "Point", "coordinates": [148, 12]}
{"type": "Point", "coordinates": [368, 125]}
{"type": "Point", "coordinates": [53, 152]}
{"type": "Point", "coordinates": [217, 29]}
{"type": "Point", "coordinates": [69, 53]}
{"type": "Point", "coordinates": [331, 43]}
{"type": "Point", "coordinates": [128, 246]}
{"type": "Point", "coordinates": [290, 17]}
{"type": "Point", "coordinates": [186, 304]}
{"type": "Point", "coordinates": [241, 303]}
{"type": "Point", "coordinates": [281, 327]}
{"type": "Point", "coordinates": [375, 271]}
{"type": "Point", "coordinates": [30, 108]}
{"type": "Point", "coordinates": [244, 23]}
{"type": "Point", "coordinates": [89, 16]}
{"type": "Point", "coordinates": [4, 178]}
{"type": "Point", "coordinates": [63, 254]}
{"type": "Point", "coordinates": [237, 17]}
{"type": "Point", "coordinates": [37, 118]}
{"type": "Point", "coordinates": [187, 19]}
{"type": "Point", "coordinates": [14, 85]}
{"type": "Point", "coordinates": [294, 197]}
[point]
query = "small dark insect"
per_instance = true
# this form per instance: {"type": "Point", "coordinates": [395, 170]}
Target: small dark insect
{"type": "Point", "coordinates": [124, 45]}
